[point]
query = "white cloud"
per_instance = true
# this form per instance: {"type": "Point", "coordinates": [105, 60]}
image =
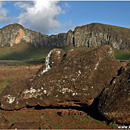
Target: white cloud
{"type": "Point", "coordinates": [41, 15]}
{"type": "Point", "coordinates": [3, 14]}
{"type": "Point", "coordinates": [38, 15]}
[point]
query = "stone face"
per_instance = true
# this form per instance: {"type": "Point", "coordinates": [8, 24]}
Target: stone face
{"type": "Point", "coordinates": [91, 35]}
{"type": "Point", "coordinates": [114, 102]}
{"type": "Point", "coordinates": [78, 76]}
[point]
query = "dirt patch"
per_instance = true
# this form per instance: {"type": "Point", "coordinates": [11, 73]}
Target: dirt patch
{"type": "Point", "coordinates": [9, 74]}
{"type": "Point", "coordinates": [50, 119]}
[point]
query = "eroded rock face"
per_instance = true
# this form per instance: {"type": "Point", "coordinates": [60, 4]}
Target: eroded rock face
{"type": "Point", "coordinates": [114, 102]}
{"type": "Point", "coordinates": [96, 34]}
{"type": "Point", "coordinates": [81, 75]}
{"type": "Point", "coordinates": [15, 34]}
{"type": "Point", "coordinates": [91, 35]}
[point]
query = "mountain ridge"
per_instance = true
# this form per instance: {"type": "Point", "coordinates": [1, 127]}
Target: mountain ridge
{"type": "Point", "coordinates": [90, 35]}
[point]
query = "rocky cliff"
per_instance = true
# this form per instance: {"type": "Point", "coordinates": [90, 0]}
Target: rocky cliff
{"type": "Point", "coordinates": [15, 33]}
{"type": "Point", "coordinates": [91, 35]}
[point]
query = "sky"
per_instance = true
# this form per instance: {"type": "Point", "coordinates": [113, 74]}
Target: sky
{"type": "Point", "coordinates": [53, 17]}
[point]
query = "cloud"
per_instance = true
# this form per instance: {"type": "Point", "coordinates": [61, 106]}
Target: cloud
{"type": "Point", "coordinates": [3, 14]}
{"type": "Point", "coordinates": [40, 15]}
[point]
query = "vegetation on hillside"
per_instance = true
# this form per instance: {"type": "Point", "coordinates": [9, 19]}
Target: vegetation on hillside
{"type": "Point", "coordinates": [23, 53]}
{"type": "Point", "coordinates": [122, 54]}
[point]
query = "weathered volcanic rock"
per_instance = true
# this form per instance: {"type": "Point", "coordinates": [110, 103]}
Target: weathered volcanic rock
{"type": "Point", "coordinates": [54, 58]}
{"type": "Point", "coordinates": [91, 35]}
{"type": "Point", "coordinates": [95, 34]}
{"type": "Point", "coordinates": [80, 76]}
{"type": "Point", "coordinates": [114, 102]}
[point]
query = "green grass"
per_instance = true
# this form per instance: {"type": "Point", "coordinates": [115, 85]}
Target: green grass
{"type": "Point", "coordinates": [99, 123]}
{"type": "Point", "coordinates": [15, 113]}
{"type": "Point", "coordinates": [5, 85]}
{"type": "Point", "coordinates": [122, 55]}
{"type": "Point", "coordinates": [1, 90]}
{"type": "Point", "coordinates": [24, 53]}
{"type": "Point", "coordinates": [89, 117]}
{"type": "Point", "coordinates": [28, 54]}
{"type": "Point", "coordinates": [57, 125]}
{"type": "Point", "coordinates": [112, 124]}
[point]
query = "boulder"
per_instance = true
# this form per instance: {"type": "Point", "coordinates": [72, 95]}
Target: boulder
{"type": "Point", "coordinates": [78, 76]}
{"type": "Point", "coordinates": [114, 102]}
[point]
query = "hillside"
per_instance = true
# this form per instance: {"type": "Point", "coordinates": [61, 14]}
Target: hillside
{"type": "Point", "coordinates": [23, 52]}
{"type": "Point", "coordinates": [91, 35]}
{"type": "Point", "coordinates": [20, 44]}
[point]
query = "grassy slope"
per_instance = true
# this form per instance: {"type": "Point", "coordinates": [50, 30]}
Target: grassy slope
{"type": "Point", "coordinates": [23, 52]}
{"type": "Point", "coordinates": [122, 54]}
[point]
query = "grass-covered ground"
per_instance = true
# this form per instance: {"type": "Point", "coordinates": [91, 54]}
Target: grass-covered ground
{"type": "Point", "coordinates": [23, 53]}
{"type": "Point", "coordinates": [49, 119]}
{"type": "Point", "coordinates": [28, 54]}
{"type": "Point", "coordinates": [122, 54]}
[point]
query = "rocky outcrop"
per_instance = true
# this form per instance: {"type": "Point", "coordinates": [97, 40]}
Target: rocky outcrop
{"type": "Point", "coordinates": [64, 78]}
{"type": "Point", "coordinates": [94, 35]}
{"type": "Point", "coordinates": [114, 102]}
{"type": "Point", "coordinates": [91, 35]}
{"type": "Point", "coordinates": [15, 33]}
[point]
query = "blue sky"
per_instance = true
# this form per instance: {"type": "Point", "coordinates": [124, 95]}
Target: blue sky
{"type": "Point", "coordinates": [51, 17]}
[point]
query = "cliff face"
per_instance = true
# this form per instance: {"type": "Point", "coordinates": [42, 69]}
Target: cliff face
{"type": "Point", "coordinates": [94, 35]}
{"type": "Point", "coordinates": [91, 35]}
{"type": "Point", "coordinates": [15, 33]}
